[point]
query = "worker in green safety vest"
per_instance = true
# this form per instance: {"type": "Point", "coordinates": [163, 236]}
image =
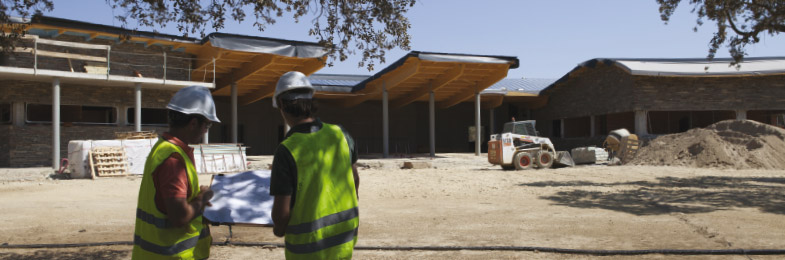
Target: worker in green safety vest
{"type": "Point", "coordinates": [314, 178]}
{"type": "Point", "coordinates": [169, 223]}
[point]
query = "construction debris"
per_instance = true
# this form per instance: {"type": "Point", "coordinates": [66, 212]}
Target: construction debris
{"type": "Point", "coordinates": [416, 165]}
{"type": "Point", "coordinates": [136, 151]}
{"type": "Point", "coordinates": [136, 135]}
{"type": "Point", "coordinates": [208, 158]}
{"type": "Point", "coordinates": [734, 144]}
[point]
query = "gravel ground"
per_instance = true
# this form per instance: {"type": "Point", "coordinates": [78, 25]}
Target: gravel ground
{"type": "Point", "coordinates": [460, 200]}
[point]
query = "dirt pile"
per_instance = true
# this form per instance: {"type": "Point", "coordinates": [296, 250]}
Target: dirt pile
{"type": "Point", "coordinates": [734, 144]}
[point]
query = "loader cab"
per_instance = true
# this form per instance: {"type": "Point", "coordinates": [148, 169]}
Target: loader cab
{"type": "Point", "coordinates": [521, 128]}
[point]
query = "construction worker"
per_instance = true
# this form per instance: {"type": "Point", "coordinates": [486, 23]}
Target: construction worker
{"type": "Point", "coordinates": [169, 222]}
{"type": "Point", "coordinates": [314, 178]}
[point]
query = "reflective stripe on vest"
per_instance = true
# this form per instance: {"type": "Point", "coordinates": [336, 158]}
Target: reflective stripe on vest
{"type": "Point", "coordinates": [322, 244]}
{"type": "Point", "coordinates": [325, 217]}
{"type": "Point", "coordinates": [171, 250]}
{"type": "Point", "coordinates": [151, 219]}
{"type": "Point", "coordinates": [323, 222]}
{"type": "Point", "coordinates": [154, 236]}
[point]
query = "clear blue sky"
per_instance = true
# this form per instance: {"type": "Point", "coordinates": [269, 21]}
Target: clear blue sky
{"type": "Point", "coordinates": [549, 37]}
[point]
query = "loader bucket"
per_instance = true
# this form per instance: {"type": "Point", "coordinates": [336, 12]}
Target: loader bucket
{"type": "Point", "coordinates": [563, 159]}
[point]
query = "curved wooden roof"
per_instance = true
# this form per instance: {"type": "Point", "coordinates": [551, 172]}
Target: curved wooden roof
{"type": "Point", "coordinates": [453, 78]}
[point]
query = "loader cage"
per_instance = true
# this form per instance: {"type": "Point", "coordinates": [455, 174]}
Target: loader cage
{"type": "Point", "coordinates": [520, 128]}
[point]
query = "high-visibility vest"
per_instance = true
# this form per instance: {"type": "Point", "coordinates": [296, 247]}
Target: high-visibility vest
{"type": "Point", "coordinates": [324, 219]}
{"type": "Point", "coordinates": [154, 237]}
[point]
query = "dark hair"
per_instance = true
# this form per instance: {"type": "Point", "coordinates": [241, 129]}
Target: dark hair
{"type": "Point", "coordinates": [178, 119]}
{"type": "Point", "coordinates": [298, 107]}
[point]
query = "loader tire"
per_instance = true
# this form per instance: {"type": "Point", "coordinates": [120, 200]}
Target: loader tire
{"type": "Point", "coordinates": [544, 159]}
{"type": "Point", "coordinates": [523, 161]}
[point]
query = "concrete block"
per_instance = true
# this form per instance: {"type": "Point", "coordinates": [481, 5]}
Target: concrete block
{"type": "Point", "coordinates": [583, 155]}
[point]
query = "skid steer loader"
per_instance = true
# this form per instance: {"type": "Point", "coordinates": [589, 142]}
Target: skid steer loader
{"type": "Point", "coordinates": [519, 147]}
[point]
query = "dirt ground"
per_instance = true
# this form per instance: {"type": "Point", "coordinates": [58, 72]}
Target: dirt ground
{"type": "Point", "coordinates": [461, 201]}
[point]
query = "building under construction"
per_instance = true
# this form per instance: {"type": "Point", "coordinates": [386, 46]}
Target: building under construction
{"type": "Point", "coordinates": [71, 80]}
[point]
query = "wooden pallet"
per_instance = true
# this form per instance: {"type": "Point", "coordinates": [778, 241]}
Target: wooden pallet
{"type": "Point", "coordinates": [630, 150]}
{"type": "Point", "coordinates": [136, 135]}
{"type": "Point", "coordinates": [108, 161]}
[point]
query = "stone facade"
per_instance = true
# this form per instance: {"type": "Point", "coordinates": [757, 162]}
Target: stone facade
{"type": "Point", "coordinates": [709, 93]}
{"type": "Point", "coordinates": [673, 103]}
{"type": "Point", "coordinates": [30, 144]}
{"type": "Point", "coordinates": [605, 89]}
{"type": "Point", "coordinates": [24, 143]}
{"type": "Point", "coordinates": [5, 149]}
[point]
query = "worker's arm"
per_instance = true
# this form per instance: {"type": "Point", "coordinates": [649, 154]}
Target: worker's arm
{"type": "Point", "coordinates": [181, 212]}
{"type": "Point", "coordinates": [356, 180]}
{"type": "Point", "coordinates": [281, 214]}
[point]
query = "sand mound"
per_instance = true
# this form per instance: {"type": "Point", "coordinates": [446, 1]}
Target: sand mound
{"type": "Point", "coordinates": [735, 144]}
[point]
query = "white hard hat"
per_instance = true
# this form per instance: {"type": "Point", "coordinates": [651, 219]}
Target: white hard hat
{"type": "Point", "coordinates": [290, 81]}
{"type": "Point", "coordinates": [194, 100]}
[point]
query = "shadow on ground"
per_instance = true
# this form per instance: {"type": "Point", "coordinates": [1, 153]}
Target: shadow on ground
{"type": "Point", "coordinates": [674, 195]}
{"type": "Point", "coordinates": [58, 254]}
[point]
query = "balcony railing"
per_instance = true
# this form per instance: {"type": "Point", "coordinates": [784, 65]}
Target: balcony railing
{"type": "Point", "coordinates": [98, 59]}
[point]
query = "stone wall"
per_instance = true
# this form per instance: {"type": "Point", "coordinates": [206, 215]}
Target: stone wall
{"type": "Point", "coordinates": [4, 145]}
{"type": "Point", "coordinates": [31, 145]}
{"type": "Point", "coordinates": [601, 90]}
{"type": "Point", "coordinates": [613, 95]}
{"type": "Point", "coordinates": [710, 93]}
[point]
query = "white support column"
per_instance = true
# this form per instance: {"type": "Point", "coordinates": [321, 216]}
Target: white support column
{"type": "Point", "coordinates": [234, 113]}
{"type": "Point", "coordinates": [478, 132]}
{"type": "Point", "coordinates": [640, 123]}
{"type": "Point", "coordinates": [18, 111]}
{"type": "Point", "coordinates": [56, 123]}
{"type": "Point", "coordinates": [385, 123]}
{"type": "Point", "coordinates": [206, 138]}
{"type": "Point", "coordinates": [432, 124]}
{"type": "Point", "coordinates": [741, 114]}
{"type": "Point", "coordinates": [592, 124]}
{"type": "Point", "coordinates": [138, 108]}
{"type": "Point", "coordinates": [561, 128]}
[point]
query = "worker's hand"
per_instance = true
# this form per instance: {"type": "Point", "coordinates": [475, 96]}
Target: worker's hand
{"type": "Point", "coordinates": [206, 193]}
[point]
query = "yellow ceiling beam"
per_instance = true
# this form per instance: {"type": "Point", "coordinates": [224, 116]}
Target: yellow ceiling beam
{"type": "Point", "coordinates": [178, 46]}
{"type": "Point", "coordinates": [258, 63]}
{"type": "Point", "coordinates": [451, 75]}
{"type": "Point", "coordinates": [92, 36]}
{"type": "Point", "coordinates": [312, 66]}
{"type": "Point", "coordinates": [493, 101]}
{"type": "Point", "coordinates": [388, 81]}
{"type": "Point", "coordinates": [485, 83]}
{"type": "Point", "coordinates": [256, 96]}
{"type": "Point", "coordinates": [204, 60]}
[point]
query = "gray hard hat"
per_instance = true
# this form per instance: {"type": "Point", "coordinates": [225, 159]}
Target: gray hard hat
{"type": "Point", "coordinates": [194, 100]}
{"type": "Point", "coordinates": [290, 81]}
